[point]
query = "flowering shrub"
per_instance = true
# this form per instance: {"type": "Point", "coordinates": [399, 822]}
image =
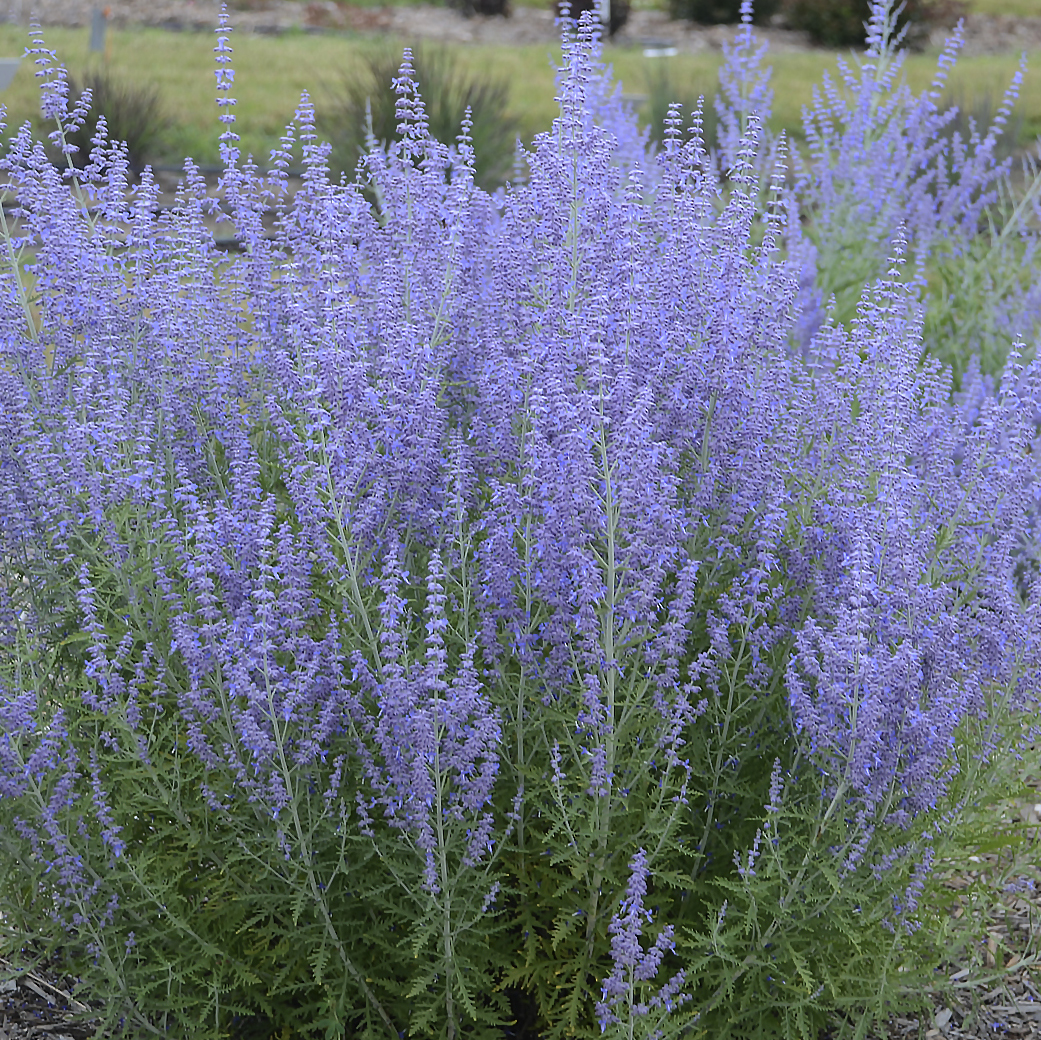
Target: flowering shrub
{"type": "Point", "coordinates": [457, 610]}
{"type": "Point", "coordinates": [881, 159]}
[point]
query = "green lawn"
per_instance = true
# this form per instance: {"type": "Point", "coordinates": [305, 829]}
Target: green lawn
{"type": "Point", "coordinates": [271, 72]}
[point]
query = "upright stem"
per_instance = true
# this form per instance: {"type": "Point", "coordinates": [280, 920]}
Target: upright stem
{"type": "Point", "coordinates": [604, 804]}
{"type": "Point", "coordinates": [316, 889]}
{"type": "Point", "coordinates": [446, 892]}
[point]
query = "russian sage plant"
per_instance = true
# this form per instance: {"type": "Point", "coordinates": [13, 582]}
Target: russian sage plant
{"type": "Point", "coordinates": [457, 610]}
{"type": "Point", "coordinates": [882, 160]}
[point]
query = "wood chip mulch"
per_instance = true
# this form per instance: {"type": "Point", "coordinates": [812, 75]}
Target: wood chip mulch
{"type": "Point", "coordinates": [39, 1003]}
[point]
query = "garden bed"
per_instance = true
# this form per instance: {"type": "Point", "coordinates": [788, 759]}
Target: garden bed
{"type": "Point", "coordinates": [884, 623]}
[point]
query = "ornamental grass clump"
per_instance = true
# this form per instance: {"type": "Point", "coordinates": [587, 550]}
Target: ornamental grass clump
{"type": "Point", "coordinates": [363, 107]}
{"type": "Point", "coordinates": [133, 114]}
{"type": "Point", "coordinates": [455, 610]}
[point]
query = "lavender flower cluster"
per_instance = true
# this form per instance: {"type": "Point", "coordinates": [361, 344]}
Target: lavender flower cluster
{"type": "Point", "coordinates": [481, 528]}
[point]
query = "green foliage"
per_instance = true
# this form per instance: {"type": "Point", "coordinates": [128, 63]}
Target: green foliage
{"type": "Point", "coordinates": [304, 923]}
{"type": "Point", "coordinates": [201, 933]}
{"type": "Point", "coordinates": [840, 23]}
{"type": "Point", "coordinates": [960, 317]}
{"type": "Point", "coordinates": [961, 320]}
{"type": "Point", "coordinates": [217, 922]}
{"type": "Point", "coordinates": [846, 261]}
{"type": "Point", "coordinates": [721, 12]}
{"type": "Point", "coordinates": [366, 100]}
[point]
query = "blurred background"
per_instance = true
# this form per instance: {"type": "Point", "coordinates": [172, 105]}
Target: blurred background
{"type": "Point", "coordinates": [150, 65]}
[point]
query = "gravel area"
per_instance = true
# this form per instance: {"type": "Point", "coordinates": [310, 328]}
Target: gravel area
{"type": "Point", "coordinates": [526, 25]}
